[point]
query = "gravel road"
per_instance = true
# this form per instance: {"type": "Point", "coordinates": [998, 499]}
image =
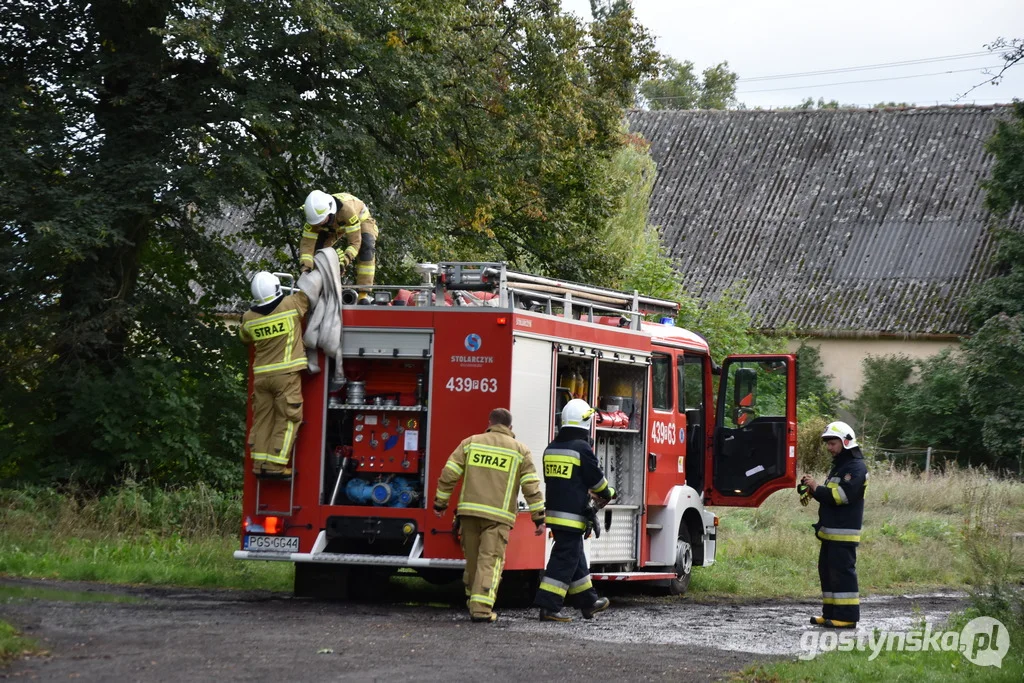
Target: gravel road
{"type": "Point", "coordinates": [173, 634]}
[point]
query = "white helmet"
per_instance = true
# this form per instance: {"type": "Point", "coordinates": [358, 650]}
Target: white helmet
{"type": "Point", "coordinates": [265, 287]}
{"type": "Point", "coordinates": [577, 413]}
{"type": "Point", "coordinates": [319, 205]}
{"type": "Point", "coordinates": [841, 430]}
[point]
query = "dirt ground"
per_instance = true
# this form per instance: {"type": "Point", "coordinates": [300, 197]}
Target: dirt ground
{"type": "Point", "coordinates": [172, 634]}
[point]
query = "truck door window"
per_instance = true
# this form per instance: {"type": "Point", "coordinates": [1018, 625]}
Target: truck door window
{"type": "Point", "coordinates": [661, 381]}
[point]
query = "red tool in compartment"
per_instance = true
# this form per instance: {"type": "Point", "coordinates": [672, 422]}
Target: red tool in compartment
{"type": "Point", "coordinates": [613, 419]}
{"type": "Point", "coordinates": [386, 441]}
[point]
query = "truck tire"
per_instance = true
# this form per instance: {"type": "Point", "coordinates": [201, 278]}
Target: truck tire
{"type": "Point", "coordinates": [518, 588]}
{"type": "Point", "coordinates": [322, 581]}
{"type": "Point", "coordinates": [683, 566]}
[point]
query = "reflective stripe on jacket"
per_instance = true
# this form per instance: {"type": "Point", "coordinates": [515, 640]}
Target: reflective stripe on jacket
{"type": "Point", "coordinates": [841, 499]}
{"type": "Point", "coordinates": [493, 467]}
{"type": "Point", "coordinates": [277, 336]}
{"type": "Point", "coordinates": [571, 472]}
{"type": "Point", "coordinates": [348, 221]}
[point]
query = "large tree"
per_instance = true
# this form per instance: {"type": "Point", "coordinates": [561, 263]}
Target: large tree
{"type": "Point", "coordinates": [993, 356]}
{"type": "Point", "coordinates": [678, 86]}
{"type": "Point", "coordinates": [476, 127]}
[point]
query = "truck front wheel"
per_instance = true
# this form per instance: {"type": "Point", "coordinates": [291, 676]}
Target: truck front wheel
{"type": "Point", "coordinates": [683, 565]}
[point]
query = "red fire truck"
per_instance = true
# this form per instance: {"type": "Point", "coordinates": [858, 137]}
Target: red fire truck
{"type": "Point", "coordinates": [475, 336]}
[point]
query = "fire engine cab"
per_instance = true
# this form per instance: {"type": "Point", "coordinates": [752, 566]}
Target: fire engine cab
{"type": "Point", "coordinates": [475, 336]}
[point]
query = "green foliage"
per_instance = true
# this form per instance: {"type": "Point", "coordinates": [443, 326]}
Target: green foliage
{"type": "Point", "coordinates": [13, 644]}
{"type": "Point", "coordinates": [811, 454]}
{"type": "Point", "coordinates": [470, 128]}
{"type": "Point", "coordinates": [1005, 188]}
{"type": "Point", "coordinates": [874, 408]}
{"type": "Point", "coordinates": [679, 87]}
{"type": "Point", "coordinates": [1004, 291]}
{"type": "Point", "coordinates": [727, 326]}
{"type": "Point", "coordinates": [812, 384]}
{"type": "Point", "coordinates": [934, 410]}
{"type": "Point", "coordinates": [995, 379]}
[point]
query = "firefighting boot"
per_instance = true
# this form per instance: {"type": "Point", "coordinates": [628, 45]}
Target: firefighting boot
{"type": "Point", "coordinates": [275, 473]}
{"type": "Point", "coordinates": [483, 618]}
{"type": "Point", "coordinates": [836, 623]}
{"type": "Point", "coordinates": [600, 605]}
{"type": "Point", "coordinates": [817, 621]}
{"type": "Point", "coordinates": [551, 615]}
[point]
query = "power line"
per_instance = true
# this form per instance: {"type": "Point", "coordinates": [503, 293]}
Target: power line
{"type": "Point", "coordinates": [866, 80]}
{"type": "Point", "coordinates": [869, 67]}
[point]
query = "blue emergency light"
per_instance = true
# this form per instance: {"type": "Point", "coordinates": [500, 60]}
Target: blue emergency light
{"type": "Point", "coordinates": [665, 320]}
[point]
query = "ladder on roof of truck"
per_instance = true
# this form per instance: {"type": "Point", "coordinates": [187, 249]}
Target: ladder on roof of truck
{"type": "Point", "coordinates": [551, 295]}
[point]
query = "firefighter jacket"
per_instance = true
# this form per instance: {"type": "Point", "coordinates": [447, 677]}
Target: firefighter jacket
{"type": "Point", "coordinates": [841, 498]}
{"type": "Point", "coordinates": [348, 219]}
{"type": "Point", "coordinates": [571, 472]}
{"type": "Point", "coordinates": [494, 466]}
{"type": "Point", "coordinates": [275, 330]}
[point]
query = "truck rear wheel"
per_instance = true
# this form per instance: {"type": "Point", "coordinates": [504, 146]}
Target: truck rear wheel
{"type": "Point", "coordinates": [683, 565]}
{"type": "Point", "coordinates": [322, 581]}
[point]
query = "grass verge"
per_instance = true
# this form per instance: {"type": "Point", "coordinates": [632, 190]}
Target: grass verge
{"type": "Point", "coordinates": [862, 663]}
{"type": "Point", "coordinates": [134, 536]}
{"type": "Point", "coordinates": [920, 533]}
{"type": "Point", "coordinates": [13, 644]}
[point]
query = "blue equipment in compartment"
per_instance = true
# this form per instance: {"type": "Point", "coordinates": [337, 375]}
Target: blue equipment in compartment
{"type": "Point", "coordinates": [398, 492]}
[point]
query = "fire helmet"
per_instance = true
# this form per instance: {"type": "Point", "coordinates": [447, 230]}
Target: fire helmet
{"type": "Point", "coordinates": [265, 287]}
{"type": "Point", "coordinates": [318, 207]}
{"type": "Point", "coordinates": [841, 430]}
{"type": "Point", "coordinates": [577, 413]}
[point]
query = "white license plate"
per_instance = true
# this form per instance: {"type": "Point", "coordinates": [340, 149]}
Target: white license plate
{"type": "Point", "coordinates": [271, 544]}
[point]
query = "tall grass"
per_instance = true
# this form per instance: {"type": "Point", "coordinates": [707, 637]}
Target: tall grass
{"type": "Point", "coordinates": [919, 534]}
{"type": "Point", "coordinates": [989, 511]}
{"type": "Point", "coordinates": [133, 535]}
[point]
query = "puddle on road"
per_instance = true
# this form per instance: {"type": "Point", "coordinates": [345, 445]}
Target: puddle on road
{"type": "Point", "coordinates": [10, 593]}
{"type": "Point", "coordinates": [756, 629]}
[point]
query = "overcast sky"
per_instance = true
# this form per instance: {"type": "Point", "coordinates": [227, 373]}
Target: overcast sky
{"type": "Point", "coordinates": [770, 38]}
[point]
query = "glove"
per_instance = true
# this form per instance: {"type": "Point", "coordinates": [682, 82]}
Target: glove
{"type": "Point", "coordinates": [303, 269]}
{"type": "Point", "coordinates": [805, 493]}
{"type": "Point", "coordinates": [539, 522]}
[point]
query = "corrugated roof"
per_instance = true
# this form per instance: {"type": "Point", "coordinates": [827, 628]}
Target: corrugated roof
{"type": "Point", "coordinates": [840, 221]}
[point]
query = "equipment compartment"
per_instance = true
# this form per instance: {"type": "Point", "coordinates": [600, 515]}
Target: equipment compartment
{"type": "Point", "coordinates": [376, 434]}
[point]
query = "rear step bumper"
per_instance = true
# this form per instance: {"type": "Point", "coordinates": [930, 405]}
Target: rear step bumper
{"type": "Point", "coordinates": [413, 559]}
{"type": "Point", "coordinates": [632, 576]}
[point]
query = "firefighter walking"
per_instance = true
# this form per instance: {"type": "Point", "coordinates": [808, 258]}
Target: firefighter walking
{"type": "Point", "coordinates": [571, 477]}
{"type": "Point", "coordinates": [273, 326]}
{"type": "Point", "coordinates": [327, 217]}
{"type": "Point", "coordinates": [840, 516]}
{"type": "Point", "coordinates": [493, 466]}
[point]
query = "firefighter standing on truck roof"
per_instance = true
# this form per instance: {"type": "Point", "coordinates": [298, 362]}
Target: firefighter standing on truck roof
{"type": "Point", "coordinates": [274, 327]}
{"type": "Point", "coordinates": [840, 515]}
{"type": "Point", "coordinates": [571, 477]}
{"type": "Point", "coordinates": [327, 216]}
{"type": "Point", "coordinates": [494, 466]}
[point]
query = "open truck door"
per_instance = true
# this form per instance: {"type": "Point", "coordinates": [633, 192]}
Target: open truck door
{"type": "Point", "coordinates": [754, 443]}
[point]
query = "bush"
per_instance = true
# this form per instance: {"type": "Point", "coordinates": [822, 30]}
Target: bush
{"type": "Point", "coordinates": [811, 382]}
{"type": "Point", "coordinates": [811, 454]}
{"type": "Point", "coordinates": [874, 409]}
